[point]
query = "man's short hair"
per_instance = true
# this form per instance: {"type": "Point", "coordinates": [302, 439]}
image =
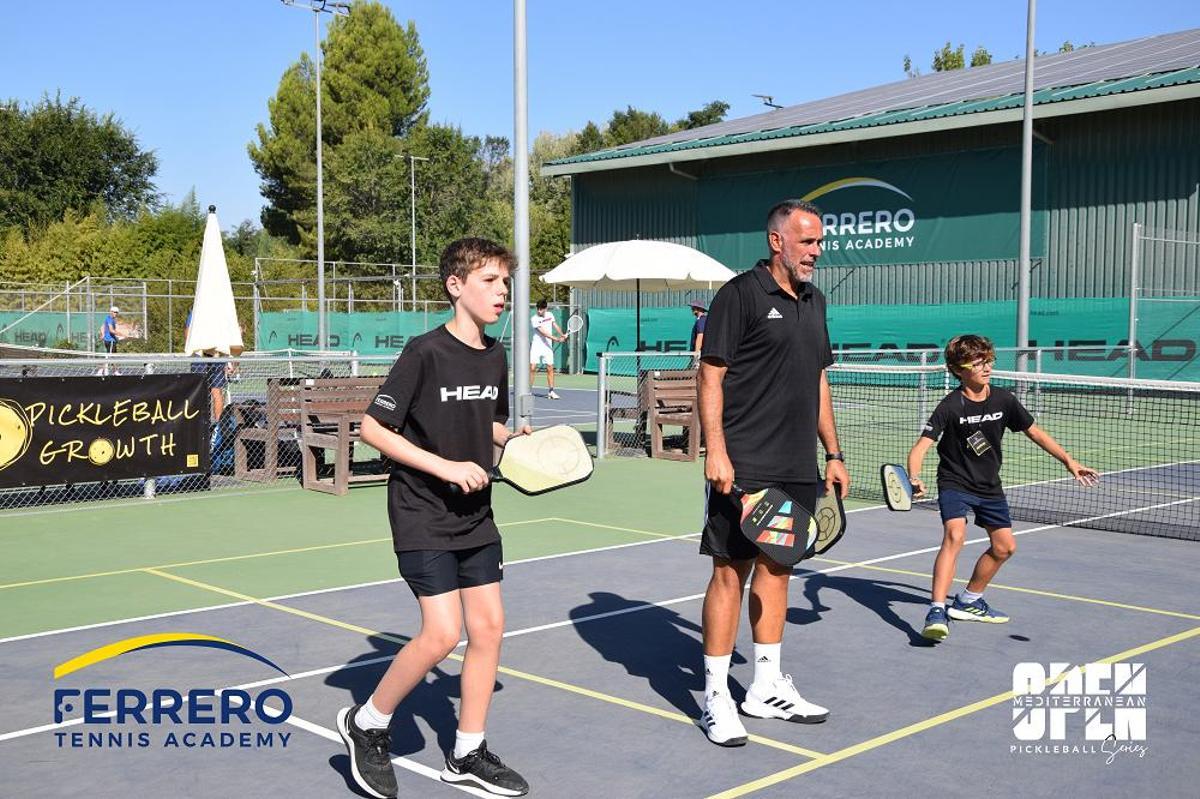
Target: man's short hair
{"type": "Point", "coordinates": [781, 211]}
{"type": "Point", "coordinates": [541, 305]}
{"type": "Point", "coordinates": [464, 256]}
{"type": "Point", "coordinates": [968, 349]}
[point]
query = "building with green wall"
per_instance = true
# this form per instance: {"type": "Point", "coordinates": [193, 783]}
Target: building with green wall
{"type": "Point", "coordinates": [919, 183]}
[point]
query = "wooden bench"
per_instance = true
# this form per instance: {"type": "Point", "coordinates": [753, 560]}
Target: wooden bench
{"type": "Point", "coordinates": [282, 412]}
{"type": "Point", "coordinates": [331, 411]}
{"type": "Point", "coordinates": [664, 397]}
{"type": "Point", "coordinates": [673, 399]}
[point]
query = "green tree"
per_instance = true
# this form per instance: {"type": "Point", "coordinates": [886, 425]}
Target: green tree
{"type": "Point", "coordinates": [948, 58]}
{"type": "Point", "coordinates": [374, 78]}
{"type": "Point", "coordinates": [57, 156]}
{"type": "Point", "coordinates": [710, 114]}
{"type": "Point", "coordinates": [633, 125]}
{"type": "Point", "coordinates": [980, 57]}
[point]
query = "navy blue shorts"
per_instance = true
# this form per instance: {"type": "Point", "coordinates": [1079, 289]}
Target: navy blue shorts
{"type": "Point", "coordinates": [989, 511]}
{"type": "Point", "coordinates": [430, 572]}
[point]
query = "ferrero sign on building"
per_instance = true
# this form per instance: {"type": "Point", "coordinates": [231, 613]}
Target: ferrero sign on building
{"type": "Point", "coordinates": [56, 430]}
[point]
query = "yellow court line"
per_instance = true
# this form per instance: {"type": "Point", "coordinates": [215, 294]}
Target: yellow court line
{"type": "Point", "coordinates": [619, 529]}
{"type": "Point", "coordinates": [227, 559]}
{"type": "Point", "coordinates": [1034, 591]}
{"type": "Point", "coordinates": [523, 675]}
{"type": "Point", "coordinates": [921, 726]}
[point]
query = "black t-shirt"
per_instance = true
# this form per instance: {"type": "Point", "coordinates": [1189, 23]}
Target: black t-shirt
{"type": "Point", "coordinates": [955, 420]}
{"type": "Point", "coordinates": [443, 396]}
{"type": "Point", "coordinates": [775, 347]}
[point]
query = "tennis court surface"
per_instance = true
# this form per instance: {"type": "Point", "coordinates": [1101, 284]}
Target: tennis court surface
{"type": "Point", "coordinates": [601, 670]}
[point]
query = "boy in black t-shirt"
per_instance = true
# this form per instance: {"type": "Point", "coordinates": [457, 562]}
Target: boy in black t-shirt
{"type": "Point", "coordinates": [970, 421]}
{"type": "Point", "coordinates": [438, 416]}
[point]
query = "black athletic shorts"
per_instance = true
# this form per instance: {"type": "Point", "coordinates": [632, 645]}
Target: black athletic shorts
{"type": "Point", "coordinates": [722, 536]}
{"type": "Point", "coordinates": [430, 572]}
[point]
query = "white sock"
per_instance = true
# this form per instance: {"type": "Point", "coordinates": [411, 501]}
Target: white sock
{"type": "Point", "coordinates": [466, 742]}
{"type": "Point", "coordinates": [716, 674]}
{"type": "Point", "coordinates": [766, 663]}
{"type": "Point", "coordinates": [370, 717]}
{"type": "Point", "coordinates": [969, 596]}
{"type": "Point", "coordinates": [941, 605]}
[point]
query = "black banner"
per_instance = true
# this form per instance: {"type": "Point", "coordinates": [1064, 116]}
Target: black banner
{"type": "Point", "coordinates": [57, 430]}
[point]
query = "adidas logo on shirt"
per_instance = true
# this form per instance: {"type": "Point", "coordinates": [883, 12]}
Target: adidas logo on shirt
{"type": "Point", "coordinates": [774, 314]}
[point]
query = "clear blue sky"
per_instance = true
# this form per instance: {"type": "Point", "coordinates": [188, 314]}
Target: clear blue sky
{"type": "Point", "coordinates": [192, 79]}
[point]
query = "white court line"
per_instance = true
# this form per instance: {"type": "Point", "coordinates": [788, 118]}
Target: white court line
{"type": "Point", "coordinates": [575, 622]}
{"type": "Point", "coordinates": [300, 594]}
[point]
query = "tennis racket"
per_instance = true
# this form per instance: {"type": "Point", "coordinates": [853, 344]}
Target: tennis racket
{"type": "Point", "coordinates": [897, 488]}
{"type": "Point", "coordinates": [831, 521]}
{"type": "Point", "coordinates": [778, 526]}
{"type": "Point", "coordinates": [574, 325]}
{"type": "Point", "coordinates": [544, 460]}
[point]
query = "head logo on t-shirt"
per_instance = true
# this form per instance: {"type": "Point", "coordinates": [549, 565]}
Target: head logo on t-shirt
{"type": "Point", "coordinates": [976, 419]}
{"type": "Point", "coordinates": [466, 393]}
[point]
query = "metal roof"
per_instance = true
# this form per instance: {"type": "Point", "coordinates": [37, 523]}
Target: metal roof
{"type": "Point", "coordinates": [1100, 71]}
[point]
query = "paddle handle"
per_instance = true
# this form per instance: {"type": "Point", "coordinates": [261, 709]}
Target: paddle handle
{"type": "Point", "coordinates": [493, 475]}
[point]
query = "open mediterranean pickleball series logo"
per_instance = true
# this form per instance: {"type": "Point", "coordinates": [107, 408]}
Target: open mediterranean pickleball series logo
{"type": "Point", "coordinates": [1095, 710]}
{"type": "Point", "coordinates": [126, 717]}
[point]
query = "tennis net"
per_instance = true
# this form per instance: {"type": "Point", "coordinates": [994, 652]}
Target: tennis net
{"type": "Point", "coordinates": [1143, 436]}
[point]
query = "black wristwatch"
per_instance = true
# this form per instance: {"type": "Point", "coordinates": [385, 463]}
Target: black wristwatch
{"type": "Point", "coordinates": [835, 456]}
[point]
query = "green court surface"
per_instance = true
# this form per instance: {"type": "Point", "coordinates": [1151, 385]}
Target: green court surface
{"type": "Point", "coordinates": [85, 564]}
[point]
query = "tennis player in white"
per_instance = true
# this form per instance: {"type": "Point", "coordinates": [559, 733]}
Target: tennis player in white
{"type": "Point", "coordinates": [541, 351]}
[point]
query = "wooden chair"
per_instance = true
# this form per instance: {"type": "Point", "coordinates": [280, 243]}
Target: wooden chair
{"type": "Point", "coordinates": [282, 411]}
{"type": "Point", "coordinates": [673, 399]}
{"type": "Point", "coordinates": [331, 411]}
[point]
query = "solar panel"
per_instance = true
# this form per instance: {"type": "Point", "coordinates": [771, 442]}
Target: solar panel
{"type": "Point", "coordinates": [1104, 62]}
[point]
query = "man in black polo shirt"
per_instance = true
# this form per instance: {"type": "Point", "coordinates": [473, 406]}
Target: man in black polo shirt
{"type": "Point", "coordinates": [764, 402]}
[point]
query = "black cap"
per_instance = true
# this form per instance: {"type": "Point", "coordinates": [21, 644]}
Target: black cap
{"type": "Point", "coordinates": [212, 209]}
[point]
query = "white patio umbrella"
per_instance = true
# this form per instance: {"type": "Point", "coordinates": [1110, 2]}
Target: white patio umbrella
{"type": "Point", "coordinates": [214, 328]}
{"type": "Point", "coordinates": [636, 265]}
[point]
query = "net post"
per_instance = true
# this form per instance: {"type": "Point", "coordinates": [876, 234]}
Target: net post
{"type": "Point", "coordinates": [1135, 264]}
{"type": "Point", "coordinates": [921, 387]}
{"type": "Point", "coordinates": [601, 404]}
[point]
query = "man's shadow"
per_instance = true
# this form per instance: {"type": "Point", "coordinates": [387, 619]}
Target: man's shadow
{"type": "Point", "coordinates": [432, 700]}
{"type": "Point", "coordinates": [651, 642]}
{"type": "Point", "coordinates": [879, 596]}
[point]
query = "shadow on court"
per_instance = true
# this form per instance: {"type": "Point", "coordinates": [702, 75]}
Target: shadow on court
{"type": "Point", "coordinates": [881, 597]}
{"type": "Point", "coordinates": [434, 701]}
{"type": "Point", "coordinates": [655, 643]}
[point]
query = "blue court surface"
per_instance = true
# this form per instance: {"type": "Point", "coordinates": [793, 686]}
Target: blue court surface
{"type": "Point", "coordinates": [601, 671]}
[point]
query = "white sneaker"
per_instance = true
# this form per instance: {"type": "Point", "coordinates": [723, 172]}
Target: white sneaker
{"type": "Point", "coordinates": [553, 394]}
{"type": "Point", "coordinates": [720, 721]}
{"type": "Point", "coordinates": [780, 700]}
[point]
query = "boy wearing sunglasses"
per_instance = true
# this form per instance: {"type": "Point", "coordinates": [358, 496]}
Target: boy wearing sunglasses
{"type": "Point", "coordinates": [968, 425]}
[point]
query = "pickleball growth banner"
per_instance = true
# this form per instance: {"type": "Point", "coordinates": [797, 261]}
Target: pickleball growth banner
{"type": "Point", "coordinates": [57, 430]}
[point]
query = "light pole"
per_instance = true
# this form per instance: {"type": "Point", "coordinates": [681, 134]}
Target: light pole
{"type": "Point", "coordinates": [343, 9]}
{"type": "Point", "coordinates": [412, 183]}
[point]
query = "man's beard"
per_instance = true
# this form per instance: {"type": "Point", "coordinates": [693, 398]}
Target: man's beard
{"type": "Point", "coordinates": [794, 270]}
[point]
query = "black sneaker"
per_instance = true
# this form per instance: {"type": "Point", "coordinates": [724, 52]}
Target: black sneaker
{"type": "Point", "coordinates": [484, 769]}
{"type": "Point", "coordinates": [370, 755]}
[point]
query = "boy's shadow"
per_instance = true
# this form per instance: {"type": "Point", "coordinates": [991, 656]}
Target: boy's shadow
{"type": "Point", "coordinates": [431, 700]}
{"type": "Point", "coordinates": [876, 595]}
{"type": "Point", "coordinates": [650, 642]}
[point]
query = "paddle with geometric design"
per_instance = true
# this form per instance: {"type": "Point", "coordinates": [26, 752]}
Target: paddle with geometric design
{"type": "Point", "coordinates": [778, 526]}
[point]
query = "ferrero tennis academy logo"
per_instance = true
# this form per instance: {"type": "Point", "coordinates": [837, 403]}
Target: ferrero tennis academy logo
{"type": "Point", "coordinates": [1097, 709]}
{"type": "Point", "coordinates": [878, 228]}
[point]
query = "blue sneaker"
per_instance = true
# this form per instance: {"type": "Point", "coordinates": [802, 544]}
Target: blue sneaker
{"type": "Point", "coordinates": [937, 626]}
{"type": "Point", "coordinates": [979, 610]}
